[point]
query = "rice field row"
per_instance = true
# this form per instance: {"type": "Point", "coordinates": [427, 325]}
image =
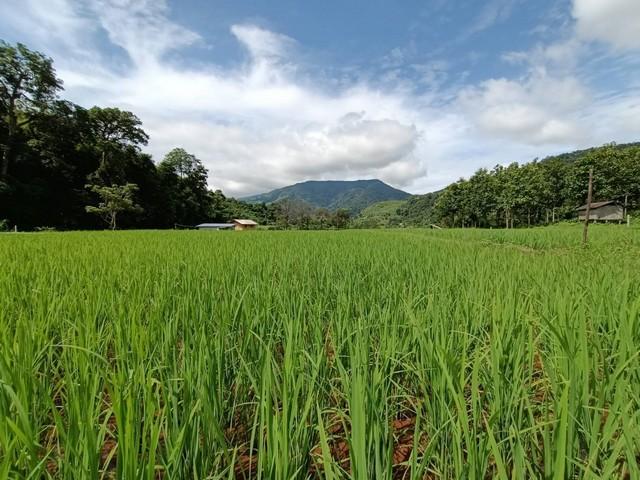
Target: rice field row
{"type": "Point", "coordinates": [349, 354]}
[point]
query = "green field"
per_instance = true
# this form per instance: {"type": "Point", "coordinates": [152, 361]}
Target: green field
{"type": "Point", "coordinates": [347, 354]}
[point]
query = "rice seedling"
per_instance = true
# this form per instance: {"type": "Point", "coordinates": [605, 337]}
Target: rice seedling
{"type": "Point", "coordinates": [349, 354]}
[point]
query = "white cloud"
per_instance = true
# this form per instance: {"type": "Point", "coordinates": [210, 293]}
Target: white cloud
{"type": "Point", "coordinates": [256, 126]}
{"type": "Point", "coordinates": [561, 56]}
{"type": "Point", "coordinates": [552, 104]}
{"type": "Point", "coordinates": [141, 28]}
{"type": "Point", "coordinates": [616, 22]}
{"type": "Point", "coordinates": [492, 12]}
{"type": "Point", "coordinates": [539, 110]}
{"type": "Point", "coordinates": [61, 23]}
{"type": "Point", "coordinates": [261, 42]}
{"type": "Point", "coordinates": [246, 160]}
{"type": "Point", "coordinates": [265, 122]}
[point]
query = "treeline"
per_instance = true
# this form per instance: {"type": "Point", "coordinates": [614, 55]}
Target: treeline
{"type": "Point", "coordinates": [67, 167]}
{"type": "Point", "coordinates": [535, 193]}
{"type": "Point", "coordinates": [541, 192]}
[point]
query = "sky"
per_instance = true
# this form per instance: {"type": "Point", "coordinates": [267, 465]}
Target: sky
{"type": "Point", "coordinates": [416, 93]}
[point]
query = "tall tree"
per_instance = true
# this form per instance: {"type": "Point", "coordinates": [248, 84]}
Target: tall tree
{"type": "Point", "coordinates": [51, 157]}
{"type": "Point", "coordinates": [116, 137]}
{"type": "Point", "coordinates": [28, 85]}
{"type": "Point", "coordinates": [341, 218]}
{"type": "Point", "coordinates": [185, 178]}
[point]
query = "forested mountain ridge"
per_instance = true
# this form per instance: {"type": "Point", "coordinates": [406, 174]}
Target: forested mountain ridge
{"type": "Point", "coordinates": [533, 193]}
{"type": "Point", "coordinates": [353, 196]}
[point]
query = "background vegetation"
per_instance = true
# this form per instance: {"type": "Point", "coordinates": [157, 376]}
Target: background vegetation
{"type": "Point", "coordinates": [62, 166]}
{"type": "Point", "coordinates": [535, 193]}
{"type": "Point", "coordinates": [59, 158]}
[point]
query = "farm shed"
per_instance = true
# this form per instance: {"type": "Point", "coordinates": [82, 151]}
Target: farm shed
{"type": "Point", "coordinates": [604, 211]}
{"type": "Point", "coordinates": [242, 224]}
{"type": "Point", "coordinates": [215, 226]}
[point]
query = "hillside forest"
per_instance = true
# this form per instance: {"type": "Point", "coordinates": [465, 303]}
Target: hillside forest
{"type": "Point", "coordinates": [67, 167]}
{"type": "Point", "coordinates": [535, 193]}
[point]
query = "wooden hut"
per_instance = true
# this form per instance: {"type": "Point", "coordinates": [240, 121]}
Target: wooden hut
{"type": "Point", "coordinates": [609, 211]}
{"type": "Point", "coordinates": [243, 224]}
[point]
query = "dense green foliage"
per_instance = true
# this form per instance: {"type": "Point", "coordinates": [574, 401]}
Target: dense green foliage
{"type": "Point", "coordinates": [28, 86]}
{"type": "Point", "coordinates": [535, 193]}
{"type": "Point", "coordinates": [57, 157]}
{"type": "Point", "coordinates": [539, 192]}
{"type": "Point", "coordinates": [434, 354]}
{"type": "Point", "coordinates": [380, 215]}
{"type": "Point", "coordinates": [114, 201]}
{"type": "Point", "coordinates": [353, 196]}
{"type": "Point", "coordinates": [415, 211]}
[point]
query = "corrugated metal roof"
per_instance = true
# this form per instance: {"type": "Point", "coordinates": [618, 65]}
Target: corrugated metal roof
{"type": "Point", "coordinates": [597, 204]}
{"type": "Point", "coordinates": [215, 225]}
{"type": "Point", "coordinates": [243, 221]}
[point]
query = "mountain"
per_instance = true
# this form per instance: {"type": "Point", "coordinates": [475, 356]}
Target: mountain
{"type": "Point", "coordinates": [354, 195]}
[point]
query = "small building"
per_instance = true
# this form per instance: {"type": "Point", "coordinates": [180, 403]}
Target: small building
{"type": "Point", "coordinates": [609, 211]}
{"type": "Point", "coordinates": [242, 224]}
{"type": "Point", "coordinates": [216, 226]}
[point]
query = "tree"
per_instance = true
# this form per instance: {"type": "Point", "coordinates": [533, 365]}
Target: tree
{"type": "Point", "coordinates": [50, 157]}
{"type": "Point", "coordinates": [341, 218]}
{"type": "Point", "coordinates": [28, 84]}
{"type": "Point", "coordinates": [114, 200]}
{"type": "Point", "coordinates": [294, 212]}
{"type": "Point", "coordinates": [482, 198]}
{"type": "Point", "coordinates": [112, 126]}
{"type": "Point", "coordinates": [449, 208]}
{"type": "Point", "coordinates": [115, 136]}
{"type": "Point", "coordinates": [185, 178]}
{"type": "Point", "coordinates": [508, 191]}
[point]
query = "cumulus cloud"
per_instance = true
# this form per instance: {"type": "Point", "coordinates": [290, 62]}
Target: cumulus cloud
{"type": "Point", "coordinates": [257, 125]}
{"type": "Point", "coordinates": [265, 122]}
{"type": "Point", "coordinates": [616, 22]}
{"type": "Point", "coordinates": [552, 103]}
{"type": "Point", "coordinates": [539, 110]}
{"type": "Point", "coordinates": [247, 160]}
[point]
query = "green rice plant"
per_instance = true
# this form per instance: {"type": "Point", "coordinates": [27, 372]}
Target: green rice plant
{"type": "Point", "coordinates": [387, 354]}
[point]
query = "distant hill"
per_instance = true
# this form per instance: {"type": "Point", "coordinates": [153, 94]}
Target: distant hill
{"type": "Point", "coordinates": [353, 196]}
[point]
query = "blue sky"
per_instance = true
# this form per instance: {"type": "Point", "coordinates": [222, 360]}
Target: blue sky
{"type": "Point", "coordinates": [416, 93]}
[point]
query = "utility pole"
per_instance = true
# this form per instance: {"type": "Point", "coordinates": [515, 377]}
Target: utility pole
{"type": "Point", "coordinates": [625, 211]}
{"type": "Point", "coordinates": [585, 233]}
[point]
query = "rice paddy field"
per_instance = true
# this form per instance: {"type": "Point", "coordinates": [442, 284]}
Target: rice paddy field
{"type": "Point", "coordinates": [454, 354]}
